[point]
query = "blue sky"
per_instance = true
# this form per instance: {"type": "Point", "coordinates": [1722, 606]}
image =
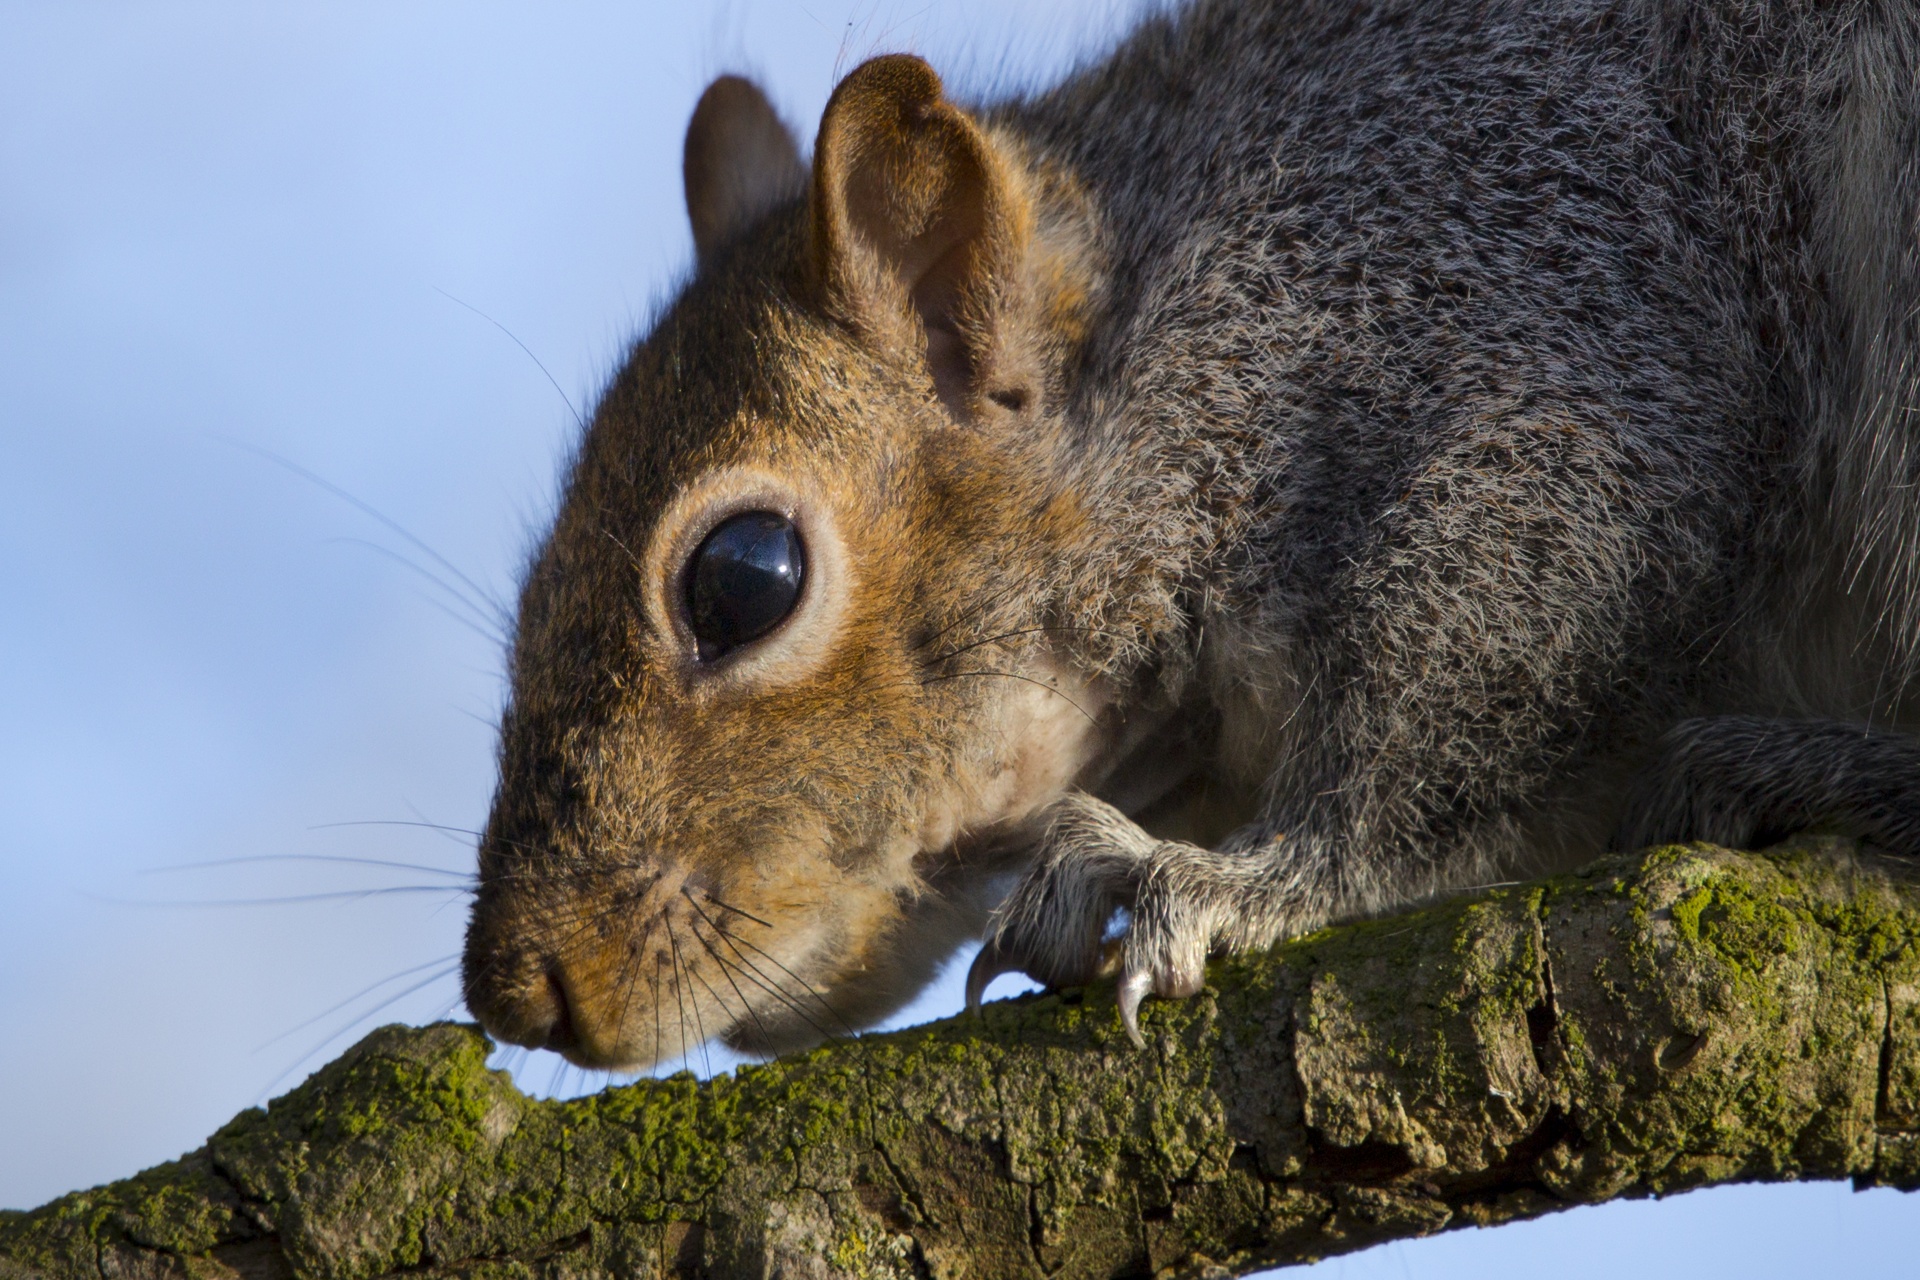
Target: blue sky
{"type": "Point", "coordinates": [231, 233]}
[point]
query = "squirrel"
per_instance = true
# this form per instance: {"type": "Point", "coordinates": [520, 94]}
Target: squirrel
{"type": "Point", "coordinates": [1324, 455]}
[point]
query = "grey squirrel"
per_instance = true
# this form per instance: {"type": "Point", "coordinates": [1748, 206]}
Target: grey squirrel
{"type": "Point", "coordinates": [1323, 455]}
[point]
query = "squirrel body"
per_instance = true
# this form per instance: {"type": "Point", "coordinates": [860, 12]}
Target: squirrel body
{"type": "Point", "coordinates": [1321, 456]}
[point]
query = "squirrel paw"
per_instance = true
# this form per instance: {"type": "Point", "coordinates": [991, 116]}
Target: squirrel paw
{"type": "Point", "coordinates": [1172, 931]}
{"type": "Point", "coordinates": [1053, 925]}
{"type": "Point", "coordinates": [1184, 903]}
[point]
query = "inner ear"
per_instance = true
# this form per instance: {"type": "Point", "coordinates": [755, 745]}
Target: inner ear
{"type": "Point", "coordinates": [739, 163]}
{"type": "Point", "coordinates": [916, 217]}
{"type": "Point", "coordinates": [940, 269]}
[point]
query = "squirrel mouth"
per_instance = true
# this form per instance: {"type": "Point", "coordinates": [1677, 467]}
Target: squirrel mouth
{"type": "Point", "coordinates": [622, 989]}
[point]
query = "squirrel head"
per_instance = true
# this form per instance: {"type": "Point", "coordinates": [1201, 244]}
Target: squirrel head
{"type": "Point", "coordinates": [801, 662]}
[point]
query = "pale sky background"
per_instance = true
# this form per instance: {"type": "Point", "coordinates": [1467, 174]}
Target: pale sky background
{"type": "Point", "coordinates": [228, 228]}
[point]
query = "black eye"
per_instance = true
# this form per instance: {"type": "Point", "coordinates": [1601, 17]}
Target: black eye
{"type": "Point", "coordinates": [743, 580]}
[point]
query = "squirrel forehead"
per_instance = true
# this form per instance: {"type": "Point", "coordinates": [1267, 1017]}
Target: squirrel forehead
{"type": "Point", "coordinates": [774, 387]}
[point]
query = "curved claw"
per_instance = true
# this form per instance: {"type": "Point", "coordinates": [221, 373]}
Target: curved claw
{"type": "Point", "coordinates": [1133, 989]}
{"type": "Point", "coordinates": [989, 964]}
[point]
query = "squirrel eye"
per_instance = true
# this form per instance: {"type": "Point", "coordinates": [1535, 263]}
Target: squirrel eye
{"type": "Point", "coordinates": [743, 580]}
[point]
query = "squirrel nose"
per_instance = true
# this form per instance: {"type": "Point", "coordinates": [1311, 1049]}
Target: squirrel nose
{"type": "Point", "coordinates": [560, 1033]}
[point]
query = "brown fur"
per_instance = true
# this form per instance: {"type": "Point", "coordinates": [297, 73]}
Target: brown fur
{"type": "Point", "coordinates": [1300, 464]}
{"type": "Point", "coordinates": [675, 848]}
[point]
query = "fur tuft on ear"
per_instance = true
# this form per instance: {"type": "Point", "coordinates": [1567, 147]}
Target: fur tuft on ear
{"type": "Point", "coordinates": [916, 217]}
{"type": "Point", "coordinates": [738, 164]}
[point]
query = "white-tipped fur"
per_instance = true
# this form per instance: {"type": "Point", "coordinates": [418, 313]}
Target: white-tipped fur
{"type": "Point", "coordinates": [1867, 455]}
{"type": "Point", "coordinates": [1315, 458]}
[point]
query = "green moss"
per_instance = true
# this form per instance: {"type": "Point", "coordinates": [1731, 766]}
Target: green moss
{"type": "Point", "coordinates": [1744, 1018]}
{"type": "Point", "coordinates": [861, 1253]}
{"type": "Point", "coordinates": [180, 1208]}
{"type": "Point", "coordinates": [1715, 1016]}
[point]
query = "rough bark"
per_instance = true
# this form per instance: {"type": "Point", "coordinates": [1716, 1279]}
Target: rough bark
{"type": "Point", "coordinates": [1661, 1022]}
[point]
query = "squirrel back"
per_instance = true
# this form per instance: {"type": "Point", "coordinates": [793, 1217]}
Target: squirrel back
{"type": "Point", "coordinates": [1302, 463]}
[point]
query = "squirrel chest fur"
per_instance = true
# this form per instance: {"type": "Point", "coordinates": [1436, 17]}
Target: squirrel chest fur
{"type": "Point", "coordinates": [1323, 455]}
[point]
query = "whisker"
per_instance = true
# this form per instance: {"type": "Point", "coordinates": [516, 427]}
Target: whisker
{"type": "Point", "coordinates": [473, 837]}
{"type": "Point", "coordinates": [360, 994]}
{"type": "Point", "coordinates": [471, 843]}
{"type": "Point", "coordinates": [679, 992]}
{"type": "Point", "coordinates": [804, 984]}
{"type": "Point", "coordinates": [485, 633]}
{"type": "Point", "coordinates": [738, 911]}
{"type": "Point", "coordinates": [727, 973]}
{"type": "Point", "coordinates": [490, 722]}
{"type": "Point", "coordinates": [304, 857]}
{"type": "Point", "coordinates": [705, 1058]}
{"type": "Point", "coordinates": [958, 622]}
{"type": "Point", "coordinates": [1012, 675]}
{"type": "Point", "coordinates": [488, 628]}
{"type": "Point", "coordinates": [628, 974]}
{"type": "Point", "coordinates": [551, 380]}
{"type": "Point", "coordinates": [717, 999]}
{"type": "Point", "coordinates": [338, 895]}
{"type": "Point", "coordinates": [658, 1056]}
{"type": "Point", "coordinates": [480, 593]}
{"type": "Point", "coordinates": [1010, 635]}
{"type": "Point", "coordinates": [518, 846]}
{"type": "Point", "coordinates": [632, 559]}
{"type": "Point", "coordinates": [793, 1005]}
{"type": "Point", "coordinates": [357, 1020]}
{"type": "Point", "coordinates": [753, 972]}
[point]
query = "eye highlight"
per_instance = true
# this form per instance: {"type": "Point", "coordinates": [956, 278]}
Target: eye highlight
{"type": "Point", "coordinates": [743, 580]}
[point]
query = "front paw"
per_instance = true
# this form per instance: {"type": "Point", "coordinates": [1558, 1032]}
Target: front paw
{"type": "Point", "coordinates": [1178, 905]}
{"type": "Point", "coordinates": [1053, 925]}
{"type": "Point", "coordinates": [1092, 861]}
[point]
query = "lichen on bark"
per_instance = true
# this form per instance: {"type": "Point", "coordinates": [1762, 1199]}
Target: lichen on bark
{"type": "Point", "coordinates": [1681, 1017]}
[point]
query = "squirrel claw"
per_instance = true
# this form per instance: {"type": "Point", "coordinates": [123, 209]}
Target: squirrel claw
{"type": "Point", "coordinates": [987, 965]}
{"type": "Point", "coordinates": [1133, 989]}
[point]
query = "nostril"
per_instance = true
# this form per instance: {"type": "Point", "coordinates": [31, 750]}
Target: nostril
{"type": "Point", "coordinates": [560, 1034]}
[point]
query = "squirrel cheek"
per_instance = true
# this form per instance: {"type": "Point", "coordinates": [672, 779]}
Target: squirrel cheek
{"type": "Point", "coordinates": [1041, 740]}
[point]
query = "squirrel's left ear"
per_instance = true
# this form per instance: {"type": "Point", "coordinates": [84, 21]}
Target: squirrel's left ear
{"type": "Point", "coordinates": [920, 232]}
{"type": "Point", "coordinates": [739, 162]}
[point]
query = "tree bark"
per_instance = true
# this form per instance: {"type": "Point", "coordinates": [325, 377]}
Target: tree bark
{"type": "Point", "coordinates": [1660, 1022]}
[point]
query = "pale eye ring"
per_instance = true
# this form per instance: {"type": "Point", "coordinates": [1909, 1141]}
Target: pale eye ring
{"type": "Point", "coordinates": [743, 581]}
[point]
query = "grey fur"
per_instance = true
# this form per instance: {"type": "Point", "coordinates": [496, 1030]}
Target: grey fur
{"type": "Point", "coordinates": [1458, 397]}
{"type": "Point", "coordinates": [1746, 782]}
{"type": "Point", "coordinates": [1514, 380]}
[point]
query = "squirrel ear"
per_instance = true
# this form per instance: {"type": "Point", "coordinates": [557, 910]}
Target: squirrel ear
{"type": "Point", "coordinates": [739, 162]}
{"type": "Point", "coordinates": [916, 216]}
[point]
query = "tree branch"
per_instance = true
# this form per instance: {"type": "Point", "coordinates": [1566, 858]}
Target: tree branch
{"type": "Point", "coordinates": [1660, 1022]}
